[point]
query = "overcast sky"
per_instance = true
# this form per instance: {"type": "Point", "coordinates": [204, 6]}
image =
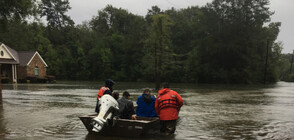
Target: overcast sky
{"type": "Point", "coordinates": [84, 10]}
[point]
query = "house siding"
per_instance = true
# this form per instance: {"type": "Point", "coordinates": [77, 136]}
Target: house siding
{"type": "Point", "coordinates": [36, 61]}
{"type": "Point", "coordinates": [10, 58]}
{"type": "Point", "coordinates": [21, 72]}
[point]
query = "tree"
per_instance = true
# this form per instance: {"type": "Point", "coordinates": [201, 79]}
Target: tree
{"type": "Point", "coordinates": [124, 34]}
{"type": "Point", "coordinates": [222, 42]}
{"type": "Point", "coordinates": [155, 10]}
{"type": "Point", "coordinates": [54, 62]}
{"type": "Point", "coordinates": [55, 10]}
{"type": "Point", "coordinates": [18, 9]}
{"type": "Point", "coordinates": [158, 43]}
{"type": "Point", "coordinates": [23, 36]}
{"type": "Point", "coordinates": [233, 41]}
{"type": "Point", "coordinates": [184, 41]}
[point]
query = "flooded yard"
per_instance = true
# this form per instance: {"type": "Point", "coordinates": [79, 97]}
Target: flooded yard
{"type": "Point", "coordinates": [51, 111]}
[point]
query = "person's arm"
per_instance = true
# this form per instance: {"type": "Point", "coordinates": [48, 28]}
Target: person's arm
{"type": "Point", "coordinates": [132, 110]}
{"type": "Point", "coordinates": [180, 100]}
{"type": "Point", "coordinates": [138, 105]}
{"type": "Point", "coordinates": [156, 106]}
{"type": "Point", "coordinates": [98, 94]}
{"type": "Point", "coordinates": [134, 117]}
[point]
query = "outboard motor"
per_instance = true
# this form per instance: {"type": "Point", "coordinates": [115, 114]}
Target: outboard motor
{"type": "Point", "coordinates": [107, 106]}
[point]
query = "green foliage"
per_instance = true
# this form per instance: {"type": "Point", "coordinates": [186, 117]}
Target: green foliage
{"type": "Point", "coordinates": [18, 9]}
{"type": "Point", "coordinates": [159, 43]}
{"type": "Point", "coordinates": [291, 78]}
{"type": "Point", "coordinates": [233, 38]}
{"type": "Point", "coordinates": [222, 42]}
{"type": "Point", "coordinates": [123, 34]}
{"type": "Point", "coordinates": [55, 10]}
{"type": "Point", "coordinates": [284, 67]}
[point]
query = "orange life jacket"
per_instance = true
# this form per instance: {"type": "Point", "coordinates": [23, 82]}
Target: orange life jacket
{"type": "Point", "coordinates": [101, 92]}
{"type": "Point", "coordinates": [167, 104]}
{"type": "Point", "coordinates": [168, 100]}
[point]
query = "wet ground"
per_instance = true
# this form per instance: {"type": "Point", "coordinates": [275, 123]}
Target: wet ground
{"type": "Point", "coordinates": [51, 111]}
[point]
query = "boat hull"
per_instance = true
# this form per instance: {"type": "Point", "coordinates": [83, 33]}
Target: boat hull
{"type": "Point", "coordinates": [125, 127]}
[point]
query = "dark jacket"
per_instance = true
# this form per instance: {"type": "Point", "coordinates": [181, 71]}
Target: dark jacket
{"type": "Point", "coordinates": [126, 108]}
{"type": "Point", "coordinates": [145, 106]}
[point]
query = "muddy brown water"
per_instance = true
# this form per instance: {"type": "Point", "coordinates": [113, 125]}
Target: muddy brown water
{"type": "Point", "coordinates": [51, 111]}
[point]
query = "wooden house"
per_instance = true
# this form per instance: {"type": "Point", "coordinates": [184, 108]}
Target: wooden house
{"type": "Point", "coordinates": [21, 66]}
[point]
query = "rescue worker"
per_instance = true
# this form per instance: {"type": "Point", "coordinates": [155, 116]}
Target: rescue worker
{"type": "Point", "coordinates": [167, 106]}
{"type": "Point", "coordinates": [145, 104]}
{"type": "Point", "coordinates": [126, 107]}
{"type": "Point", "coordinates": [107, 89]}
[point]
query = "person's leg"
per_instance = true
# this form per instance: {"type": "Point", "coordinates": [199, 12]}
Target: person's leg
{"type": "Point", "coordinates": [162, 126]}
{"type": "Point", "coordinates": [171, 126]}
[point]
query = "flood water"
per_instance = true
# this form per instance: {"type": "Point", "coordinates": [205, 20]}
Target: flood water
{"type": "Point", "coordinates": [51, 111]}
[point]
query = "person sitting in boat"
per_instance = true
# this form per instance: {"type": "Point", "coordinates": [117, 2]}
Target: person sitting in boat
{"type": "Point", "coordinates": [107, 89]}
{"type": "Point", "coordinates": [115, 95]}
{"type": "Point", "coordinates": [145, 104]}
{"type": "Point", "coordinates": [126, 107]}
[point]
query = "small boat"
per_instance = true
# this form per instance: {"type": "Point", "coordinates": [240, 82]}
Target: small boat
{"type": "Point", "coordinates": [125, 127]}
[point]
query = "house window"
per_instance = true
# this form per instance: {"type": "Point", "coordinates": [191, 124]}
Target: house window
{"type": "Point", "coordinates": [36, 71]}
{"type": "Point", "coordinates": [2, 53]}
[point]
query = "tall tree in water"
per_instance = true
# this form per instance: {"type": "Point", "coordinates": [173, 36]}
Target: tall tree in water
{"type": "Point", "coordinates": [158, 43]}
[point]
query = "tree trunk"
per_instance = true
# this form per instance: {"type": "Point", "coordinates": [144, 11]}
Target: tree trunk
{"type": "Point", "coordinates": [157, 77]}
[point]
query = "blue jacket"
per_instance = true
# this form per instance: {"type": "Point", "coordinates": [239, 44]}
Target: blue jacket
{"type": "Point", "coordinates": [145, 106]}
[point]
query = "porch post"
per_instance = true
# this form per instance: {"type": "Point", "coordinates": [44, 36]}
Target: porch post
{"type": "Point", "coordinates": [15, 72]}
{"type": "Point", "coordinates": [12, 73]}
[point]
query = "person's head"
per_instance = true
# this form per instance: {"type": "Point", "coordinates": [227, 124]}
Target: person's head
{"type": "Point", "coordinates": [165, 85]}
{"type": "Point", "coordinates": [109, 83]}
{"type": "Point", "coordinates": [115, 95]}
{"type": "Point", "coordinates": [126, 94]}
{"type": "Point", "coordinates": [147, 91]}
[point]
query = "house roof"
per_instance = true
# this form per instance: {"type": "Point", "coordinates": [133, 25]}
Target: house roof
{"type": "Point", "coordinates": [22, 58]}
{"type": "Point", "coordinates": [13, 53]}
{"type": "Point", "coordinates": [25, 57]}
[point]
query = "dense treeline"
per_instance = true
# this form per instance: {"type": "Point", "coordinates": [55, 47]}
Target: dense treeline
{"type": "Point", "coordinates": [222, 42]}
